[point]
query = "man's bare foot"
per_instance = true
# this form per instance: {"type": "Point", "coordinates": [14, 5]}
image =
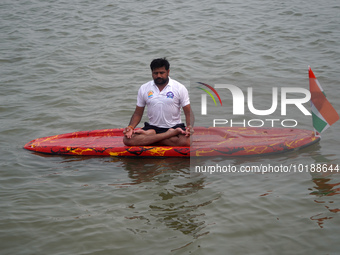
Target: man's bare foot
{"type": "Point", "coordinates": [142, 137]}
{"type": "Point", "coordinates": [181, 130]}
{"type": "Point", "coordinates": [144, 132]}
{"type": "Point", "coordinates": [174, 132]}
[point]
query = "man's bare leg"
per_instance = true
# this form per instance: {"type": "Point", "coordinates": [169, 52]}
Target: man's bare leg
{"type": "Point", "coordinates": [178, 140]}
{"type": "Point", "coordinates": [144, 138]}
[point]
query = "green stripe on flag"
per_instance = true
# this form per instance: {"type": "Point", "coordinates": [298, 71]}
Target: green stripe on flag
{"type": "Point", "coordinates": [318, 123]}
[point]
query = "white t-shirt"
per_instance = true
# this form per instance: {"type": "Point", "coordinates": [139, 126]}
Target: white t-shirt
{"type": "Point", "coordinates": [164, 108]}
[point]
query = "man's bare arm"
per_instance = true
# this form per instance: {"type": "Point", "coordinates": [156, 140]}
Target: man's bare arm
{"type": "Point", "coordinates": [189, 119]}
{"type": "Point", "coordinates": [134, 121]}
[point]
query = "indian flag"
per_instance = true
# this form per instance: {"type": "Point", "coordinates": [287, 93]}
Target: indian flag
{"type": "Point", "coordinates": [323, 113]}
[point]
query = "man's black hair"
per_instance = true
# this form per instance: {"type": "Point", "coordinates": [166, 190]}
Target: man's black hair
{"type": "Point", "coordinates": [160, 62]}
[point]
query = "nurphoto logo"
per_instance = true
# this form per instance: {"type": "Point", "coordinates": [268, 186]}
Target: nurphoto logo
{"type": "Point", "coordinates": [300, 96]}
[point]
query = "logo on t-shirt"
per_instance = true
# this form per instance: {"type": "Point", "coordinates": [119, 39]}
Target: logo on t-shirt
{"type": "Point", "coordinates": [170, 95]}
{"type": "Point", "coordinates": [150, 94]}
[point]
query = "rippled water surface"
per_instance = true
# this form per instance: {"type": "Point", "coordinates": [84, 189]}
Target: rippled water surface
{"type": "Point", "coordinates": [77, 65]}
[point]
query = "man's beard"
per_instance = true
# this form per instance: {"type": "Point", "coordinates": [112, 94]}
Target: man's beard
{"type": "Point", "coordinates": [161, 81]}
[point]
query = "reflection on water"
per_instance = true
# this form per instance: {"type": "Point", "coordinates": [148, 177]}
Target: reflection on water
{"type": "Point", "coordinates": [171, 205]}
{"type": "Point", "coordinates": [325, 186]}
{"type": "Point", "coordinates": [147, 169]}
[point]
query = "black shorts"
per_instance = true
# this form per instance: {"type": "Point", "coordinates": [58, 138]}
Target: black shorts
{"type": "Point", "coordinates": [158, 130]}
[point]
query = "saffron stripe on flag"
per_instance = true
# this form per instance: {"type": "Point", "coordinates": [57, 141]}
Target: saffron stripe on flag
{"type": "Point", "coordinates": [320, 101]}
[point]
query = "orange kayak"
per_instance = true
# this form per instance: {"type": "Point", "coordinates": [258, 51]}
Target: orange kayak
{"type": "Point", "coordinates": [212, 141]}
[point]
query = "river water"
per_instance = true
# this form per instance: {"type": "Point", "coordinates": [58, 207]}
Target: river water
{"type": "Point", "coordinates": [76, 65]}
